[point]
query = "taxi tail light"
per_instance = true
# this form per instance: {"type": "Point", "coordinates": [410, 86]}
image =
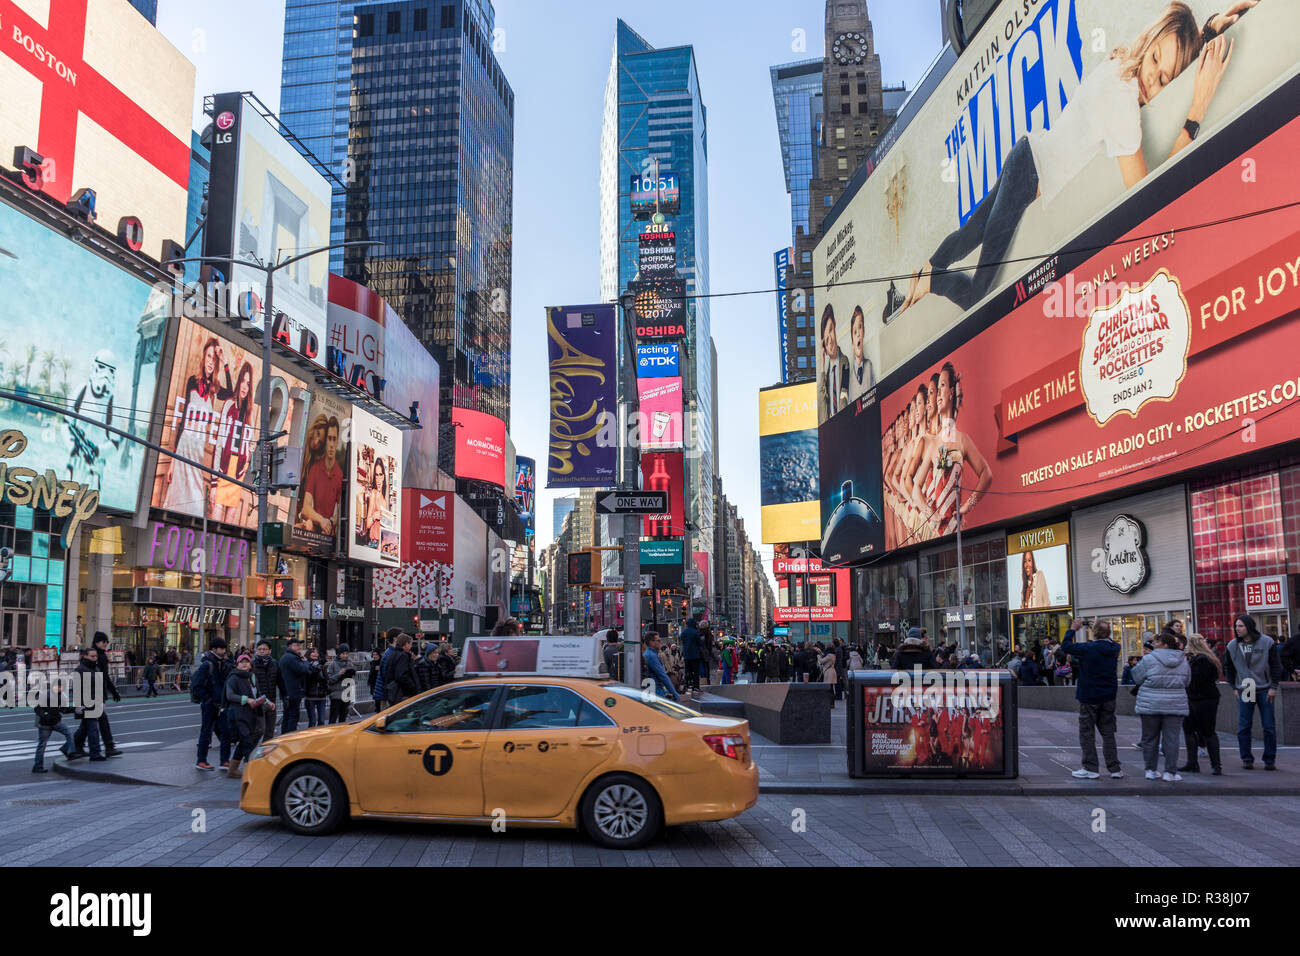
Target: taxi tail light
{"type": "Point", "coordinates": [726, 745]}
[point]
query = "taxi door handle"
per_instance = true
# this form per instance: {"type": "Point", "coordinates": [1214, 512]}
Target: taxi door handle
{"type": "Point", "coordinates": [467, 745]}
{"type": "Point", "coordinates": [593, 742]}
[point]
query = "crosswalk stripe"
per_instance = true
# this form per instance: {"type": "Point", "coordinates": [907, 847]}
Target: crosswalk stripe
{"type": "Point", "coordinates": [51, 751]}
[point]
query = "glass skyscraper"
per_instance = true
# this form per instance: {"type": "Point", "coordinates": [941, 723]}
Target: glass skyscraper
{"type": "Point", "coordinates": [654, 111]}
{"type": "Point", "coordinates": [407, 103]}
{"type": "Point", "coordinates": [796, 90]}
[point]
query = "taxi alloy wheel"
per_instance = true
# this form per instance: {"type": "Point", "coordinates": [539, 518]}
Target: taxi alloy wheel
{"type": "Point", "coordinates": [622, 811]}
{"type": "Point", "coordinates": [311, 799]}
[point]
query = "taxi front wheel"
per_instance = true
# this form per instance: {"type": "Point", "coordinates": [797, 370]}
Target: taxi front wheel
{"type": "Point", "coordinates": [311, 799]}
{"type": "Point", "coordinates": [622, 811]}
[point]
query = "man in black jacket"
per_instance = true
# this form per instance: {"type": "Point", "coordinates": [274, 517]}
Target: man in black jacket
{"type": "Point", "coordinates": [89, 729]}
{"type": "Point", "coordinates": [49, 720]}
{"type": "Point", "coordinates": [266, 672]}
{"type": "Point", "coordinates": [399, 674]}
{"type": "Point", "coordinates": [912, 652]}
{"type": "Point", "coordinates": [208, 690]}
{"type": "Point", "coordinates": [293, 674]}
{"type": "Point", "coordinates": [100, 644]}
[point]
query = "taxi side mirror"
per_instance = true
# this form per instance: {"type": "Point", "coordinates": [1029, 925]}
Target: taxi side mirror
{"type": "Point", "coordinates": [381, 724]}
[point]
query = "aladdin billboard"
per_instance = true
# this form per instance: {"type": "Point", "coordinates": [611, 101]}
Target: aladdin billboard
{"type": "Point", "coordinates": [583, 353]}
{"type": "Point", "coordinates": [1173, 347]}
{"type": "Point", "coordinates": [787, 463]}
{"type": "Point", "coordinates": [1057, 113]}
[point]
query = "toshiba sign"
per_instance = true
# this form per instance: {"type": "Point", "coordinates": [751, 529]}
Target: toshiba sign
{"type": "Point", "coordinates": [428, 525]}
{"type": "Point", "coordinates": [100, 101]}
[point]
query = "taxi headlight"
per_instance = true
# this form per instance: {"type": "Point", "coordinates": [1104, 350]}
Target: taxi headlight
{"type": "Point", "coordinates": [261, 750]}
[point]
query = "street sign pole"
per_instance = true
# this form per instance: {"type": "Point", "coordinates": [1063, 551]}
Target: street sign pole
{"type": "Point", "coordinates": [631, 522]}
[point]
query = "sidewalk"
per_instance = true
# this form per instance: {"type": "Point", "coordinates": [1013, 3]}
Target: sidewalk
{"type": "Point", "coordinates": [1049, 751]}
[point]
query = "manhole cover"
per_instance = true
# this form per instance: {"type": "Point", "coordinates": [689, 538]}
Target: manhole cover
{"type": "Point", "coordinates": [43, 802]}
{"type": "Point", "coordinates": [209, 805]}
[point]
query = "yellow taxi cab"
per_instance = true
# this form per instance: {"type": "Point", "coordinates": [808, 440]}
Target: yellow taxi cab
{"type": "Point", "coordinates": [527, 751]}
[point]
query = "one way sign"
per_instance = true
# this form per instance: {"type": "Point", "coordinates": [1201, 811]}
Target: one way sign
{"type": "Point", "coordinates": [632, 503]}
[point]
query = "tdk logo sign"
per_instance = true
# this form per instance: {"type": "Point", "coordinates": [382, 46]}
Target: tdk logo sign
{"type": "Point", "coordinates": [657, 361]}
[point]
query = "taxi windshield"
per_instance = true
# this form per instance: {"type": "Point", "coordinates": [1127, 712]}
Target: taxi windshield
{"type": "Point", "coordinates": [662, 705]}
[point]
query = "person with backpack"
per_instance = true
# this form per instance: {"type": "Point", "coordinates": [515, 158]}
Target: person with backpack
{"type": "Point", "coordinates": [613, 662]}
{"type": "Point", "coordinates": [243, 703]}
{"type": "Point", "coordinates": [207, 689]}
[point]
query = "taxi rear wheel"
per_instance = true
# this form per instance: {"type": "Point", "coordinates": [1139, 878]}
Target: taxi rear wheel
{"type": "Point", "coordinates": [622, 811]}
{"type": "Point", "coordinates": [311, 799]}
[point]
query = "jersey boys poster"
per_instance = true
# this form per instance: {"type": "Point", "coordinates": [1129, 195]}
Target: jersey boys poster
{"type": "Point", "coordinates": [933, 728]}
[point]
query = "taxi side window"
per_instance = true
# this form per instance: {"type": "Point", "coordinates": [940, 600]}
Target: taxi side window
{"type": "Point", "coordinates": [461, 709]}
{"type": "Point", "coordinates": [537, 706]}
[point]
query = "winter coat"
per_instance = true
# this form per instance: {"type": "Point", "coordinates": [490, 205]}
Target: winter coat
{"type": "Point", "coordinates": [1028, 672]}
{"type": "Point", "coordinates": [446, 665]}
{"type": "Point", "coordinates": [209, 680]}
{"type": "Point", "coordinates": [239, 690]}
{"type": "Point", "coordinates": [828, 662]}
{"type": "Point", "coordinates": [102, 666]}
{"type": "Point", "coordinates": [1205, 679]}
{"type": "Point", "coordinates": [399, 677]}
{"type": "Point", "coordinates": [1097, 661]}
{"type": "Point", "coordinates": [1289, 656]}
{"type": "Point", "coordinates": [771, 662]}
{"type": "Point", "coordinates": [1162, 678]}
{"type": "Point", "coordinates": [316, 685]}
{"type": "Point", "coordinates": [334, 676]}
{"type": "Point", "coordinates": [267, 674]}
{"type": "Point", "coordinates": [293, 675]}
{"type": "Point", "coordinates": [426, 670]}
{"type": "Point", "coordinates": [911, 655]}
{"type": "Point", "coordinates": [377, 688]}
{"type": "Point", "coordinates": [692, 648]}
{"type": "Point", "coordinates": [50, 716]}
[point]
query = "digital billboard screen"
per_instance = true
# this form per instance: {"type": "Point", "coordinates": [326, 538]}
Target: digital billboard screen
{"type": "Point", "coordinates": [788, 463]}
{"type": "Point", "coordinates": [480, 446]}
{"type": "Point", "coordinates": [660, 309]}
{"type": "Point", "coordinates": [526, 491]}
{"type": "Point", "coordinates": [323, 433]}
{"type": "Point", "coordinates": [1182, 352]}
{"type": "Point", "coordinates": [212, 417]}
{"type": "Point", "coordinates": [658, 360]}
{"type": "Point", "coordinates": [645, 191]}
{"type": "Point", "coordinates": [662, 471]}
{"type": "Point", "coordinates": [82, 345]}
{"type": "Point", "coordinates": [377, 491]}
{"type": "Point", "coordinates": [660, 412]}
{"type": "Point", "coordinates": [265, 199]}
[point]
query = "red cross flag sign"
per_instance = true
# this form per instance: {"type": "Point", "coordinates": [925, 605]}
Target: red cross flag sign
{"type": "Point", "coordinates": [96, 90]}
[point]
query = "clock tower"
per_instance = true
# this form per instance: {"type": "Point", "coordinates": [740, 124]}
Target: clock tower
{"type": "Point", "coordinates": [852, 118]}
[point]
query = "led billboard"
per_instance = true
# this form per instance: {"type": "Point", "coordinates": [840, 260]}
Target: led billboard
{"type": "Point", "coordinates": [266, 203]}
{"type": "Point", "coordinates": [377, 491]}
{"type": "Point", "coordinates": [480, 446]}
{"type": "Point", "coordinates": [787, 462]}
{"type": "Point", "coordinates": [81, 345]}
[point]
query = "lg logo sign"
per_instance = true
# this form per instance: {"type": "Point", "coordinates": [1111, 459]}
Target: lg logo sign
{"type": "Point", "coordinates": [225, 121]}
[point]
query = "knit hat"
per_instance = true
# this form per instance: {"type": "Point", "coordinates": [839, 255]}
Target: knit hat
{"type": "Point", "coordinates": [343, 649]}
{"type": "Point", "coordinates": [244, 657]}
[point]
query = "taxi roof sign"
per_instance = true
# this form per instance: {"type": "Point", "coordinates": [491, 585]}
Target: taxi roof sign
{"type": "Point", "coordinates": [547, 655]}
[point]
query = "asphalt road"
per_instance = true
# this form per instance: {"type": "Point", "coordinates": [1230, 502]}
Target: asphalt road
{"type": "Point", "coordinates": [59, 821]}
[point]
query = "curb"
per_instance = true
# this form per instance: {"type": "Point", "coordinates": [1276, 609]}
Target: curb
{"type": "Point", "coordinates": [103, 776]}
{"type": "Point", "coordinates": [1146, 789]}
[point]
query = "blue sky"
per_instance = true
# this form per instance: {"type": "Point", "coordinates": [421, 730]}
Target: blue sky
{"type": "Point", "coordinates": [556, 56]}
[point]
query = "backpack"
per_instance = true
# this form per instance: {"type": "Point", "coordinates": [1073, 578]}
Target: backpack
{"type": "Point", "coordinates": [199, 683]}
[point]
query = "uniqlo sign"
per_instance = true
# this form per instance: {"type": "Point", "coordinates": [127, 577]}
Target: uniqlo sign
{"type": "Point", "coordinates": [1266, 594]}
{"type": "Point", "coordinates": [105, 100]}
{"type": "Point", "coordinates": [428, 524]}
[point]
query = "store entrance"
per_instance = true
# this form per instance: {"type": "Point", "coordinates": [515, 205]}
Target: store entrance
{"type": "Point", "coordinates": [18, 627]}
{"type": "Point", "coordinates": [1128, 629]}
{"type": "Point", "coordinates": [1039, 627]}
{"type": "Point", "coordinates": [1274, 625]}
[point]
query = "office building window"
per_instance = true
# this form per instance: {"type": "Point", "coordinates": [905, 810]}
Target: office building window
{"type": "Point", "coordinates": [846, 107]}
{"type": "Point", "coordinates": [803, 361]}
{"type": "Point", "coordinates": [842, 163]}
{"type": "Point", "coordinates": [366, 25]}
{"type": "Point", "coordinates": [394, 21]}
{"type": "Point", "coordinates": [828, 201]}
{"type": "Point", "coordinates": [862, 87]}
{"type": "Point", "coordinates": [805, 256]}
{"type": "Point", "coordinates": [839, 132]}
{"type": "Point", "coordinates": [844, 89]}
{"type": "Point", "coordinates": [448, 17]}
{"type": "Point", "coordinates": [421, 19]}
